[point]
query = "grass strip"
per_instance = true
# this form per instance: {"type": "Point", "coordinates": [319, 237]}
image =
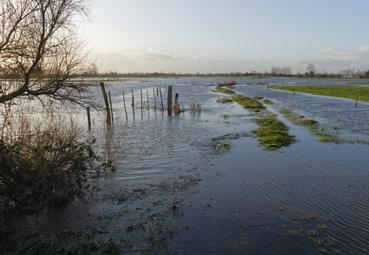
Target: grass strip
{"type": "Point", "coordinates": [272, 133]}
{"type": "Point", "coordinates": [224, 90]}
{"type": "Point", "coordinates": [225, 100]}
{"type": "Point", "coordinates": [248, 102]}
{"type": "Point", "coordinates": [312, 125]}
{"type": "Point", "coordinates": [349, 92]}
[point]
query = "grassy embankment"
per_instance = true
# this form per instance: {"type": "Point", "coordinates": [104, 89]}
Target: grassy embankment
{"type": "Point", "coordinates": [349, 92]}
{"type": "Point", "coordinates": [272, 133]}
{"type": "Point", "coordinates": [312, 125]}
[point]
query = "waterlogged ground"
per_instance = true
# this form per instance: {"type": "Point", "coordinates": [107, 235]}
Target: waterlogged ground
{"type": "Point", "coordinates": [200, 183]}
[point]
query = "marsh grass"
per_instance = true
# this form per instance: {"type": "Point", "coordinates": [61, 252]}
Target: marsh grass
{"type": "Point", "coordinates": [312, 125]}
{"type": "Point", "coordinates": [224, 90]}
{"type": "Point", "coordinates": [248, 103]}
{"type": "Point", "coordinates": [69, 243]}
{"type": "Point", "coordinates": [349, 92]}
{"type": "Point", "coordinates": [223, 146]}
{"type": "Point", "coordinates": [272, 133]}
{"type": "Point", "coordinates": [268, 101]}
{"type": "Point", "coordinates": [225, 100]}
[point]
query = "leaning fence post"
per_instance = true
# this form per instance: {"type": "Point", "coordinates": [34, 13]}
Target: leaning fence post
{"type": "Point", "coordinates": [161, 100]}
{"type": "Point", "coordinates": [88, 118]}
{"type": "Point", "coordinates": [153, 90]}
{"type": "Point", "coordinates": [141, 100]}
{"type": "Point", "coordinates": [147, 98]}
{"type": "Point", "coordinates": [108, 116]}
{"type": "Point", "coordinates": [111, 107]}
{"type": "Point", "coordinates": [133, 104]}
{"type": "Point", "coordinates": [170, 99]}
{"type": "Point", "coordinates": [125, 107]}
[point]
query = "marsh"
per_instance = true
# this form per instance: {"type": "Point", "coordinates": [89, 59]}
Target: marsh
{"type": "Point", "coordinates": [175, 190]}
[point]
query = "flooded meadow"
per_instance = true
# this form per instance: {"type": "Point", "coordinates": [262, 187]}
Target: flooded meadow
{"type": "Point", "coordinates": [201, 183]}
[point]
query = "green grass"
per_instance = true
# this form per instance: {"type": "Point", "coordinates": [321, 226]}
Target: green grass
{"type": "Point", "coordinates": [223, 147]}
{"type": "Point", "coordinates": [360, 83]}
{"type": "Point", "coordinates": [272, 133]}
{"type": "Point", "coordinates": [312, 125]}
{"type": "Point", "coordinates": [349, 92]}
{"type": "Point", "coordinates": [224, 90]}
{"type": "Point", "coordinates": [268, 101]}
{"type": "Point", "coordinates": [225, 100]}
{"type": "Point", "coordinates": [248, 103]}
{"type": "Point", "coordinates": [312, 233]}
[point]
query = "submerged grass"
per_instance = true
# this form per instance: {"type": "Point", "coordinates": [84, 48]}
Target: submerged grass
{"type": "Point", "coordinates": [349, 92]}
{"type": "Point", "coordinates": [248, 103]}
{"type": "Point", "coordinates": [223, 146]}
{"type": "Point", "coordinates": [312, 125]}
{"type": "Point", "coordinates": [272, 133]}
{"type": "Point", "coordinates": [224, 90]}
{"type": "Point", "coordinates": [268, 101]}
{"type": "Point", "coordinates": [225, 100]}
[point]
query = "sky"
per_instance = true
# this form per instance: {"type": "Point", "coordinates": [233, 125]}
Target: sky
{"type": "Point", "coordinates": [227, 35]}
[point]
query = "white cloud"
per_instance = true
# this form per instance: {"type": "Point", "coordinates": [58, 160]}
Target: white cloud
{"type": "Point", "coordinates": [335, 59]}
{"type": "Point", "coordinates": [157, 54]}
{"type": "Point", "coordinates": [332, 59]}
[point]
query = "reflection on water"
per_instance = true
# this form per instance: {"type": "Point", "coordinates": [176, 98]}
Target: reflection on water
{"type": "Point", "coordinates": [172, 187]}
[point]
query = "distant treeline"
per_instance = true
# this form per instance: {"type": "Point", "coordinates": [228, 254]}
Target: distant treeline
{"type": "Point", "coordinates": [232, 74]}
{"type": "Point", "coordinates": [358, 75]}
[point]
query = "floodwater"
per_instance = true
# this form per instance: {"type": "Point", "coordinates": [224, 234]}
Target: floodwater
{"type": "Point", "coordinates": [178, 190]}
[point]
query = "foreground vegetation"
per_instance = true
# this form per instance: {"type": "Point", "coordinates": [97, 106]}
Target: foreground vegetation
{"type": "Point", "coordinates": [349, 92]}
{"type": "Point", "coordinates": [272, 133]}
{"type": "Point", "coordinates": [43, 163]}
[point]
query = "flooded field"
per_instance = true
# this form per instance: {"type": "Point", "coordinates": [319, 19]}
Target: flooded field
{"type": "Point", "coordinates": [200, 183]}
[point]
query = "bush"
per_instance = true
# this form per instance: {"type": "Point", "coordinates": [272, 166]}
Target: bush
{"type": "Point", "coordinates": [42, 164]}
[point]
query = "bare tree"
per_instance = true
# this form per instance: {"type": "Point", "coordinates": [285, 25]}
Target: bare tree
{"type": "Point", "coordinates": [310, 69]}
{"type": "Point", "coordinates": [39, 49]}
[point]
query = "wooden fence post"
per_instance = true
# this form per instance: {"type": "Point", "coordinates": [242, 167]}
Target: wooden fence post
{"type": "Point", "coordinates": [147, 99]}
{"type": "Point", "coordinates": [125, 107]}
{"type": "Point", "coordinates": [88, 118]}
{"type": "Point", "coordinates": [161, 100]}
{"type": "Point", "coordinates": [141, 100]}
{"type": "Point", "coordinates": [133, 104]}
{"type": "Point", "coordinates": [170, 99]}
{"type": "Point", "coordinates": [177, 108]}
{"type": "Point", "coordinates": [108, 117]}
{"type": "Point", "coordinates": [111, 107]}
{"type": "Point", "coordinates": [153, 90]}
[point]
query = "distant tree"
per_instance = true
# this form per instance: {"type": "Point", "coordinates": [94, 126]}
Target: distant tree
{"type": "Point", "coordinates": [348, 72]}
{"type": "Point", "coordinates": [91, 70]}
{"type": "Point", "coordinates": [281, 70]}
{"type": "Point", "coordinates": [367, 73]}
{"type": "Point", "coordinates": [310, 69]}
{"type": "Point", "coordinates": [39, 46]}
